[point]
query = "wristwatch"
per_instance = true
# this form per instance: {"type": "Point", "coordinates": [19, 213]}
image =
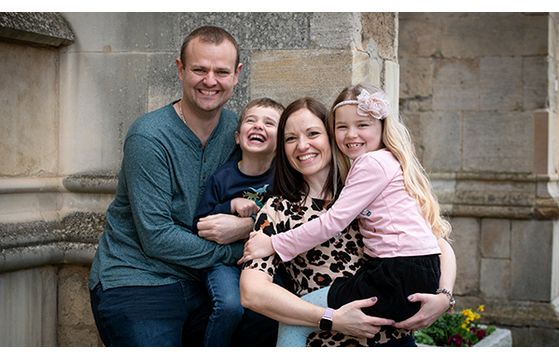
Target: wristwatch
{"type": "Point", "coordinates": [326, 321]}
{"type": "Point", "coordinates": [451, 300]}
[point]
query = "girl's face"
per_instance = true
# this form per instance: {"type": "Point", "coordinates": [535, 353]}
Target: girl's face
{"type": "Point", "coordinates": [307, 146]}
{"type": "Point", "coordinates": [356, 135]}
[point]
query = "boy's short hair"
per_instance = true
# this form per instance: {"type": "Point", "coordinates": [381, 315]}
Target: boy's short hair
{"type": "Point", "coordinates": [260, 102]}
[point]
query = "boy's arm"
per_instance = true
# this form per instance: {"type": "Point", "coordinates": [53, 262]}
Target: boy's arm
{"type": "Point", "coordinates": [365, 182]}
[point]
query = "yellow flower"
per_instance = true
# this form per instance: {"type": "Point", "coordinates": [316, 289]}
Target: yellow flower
{"type": "Point", "coordinates": [481, 308]}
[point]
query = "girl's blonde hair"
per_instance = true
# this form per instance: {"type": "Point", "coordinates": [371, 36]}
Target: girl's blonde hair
{"type": "Point", "coordinates": [397, 139]}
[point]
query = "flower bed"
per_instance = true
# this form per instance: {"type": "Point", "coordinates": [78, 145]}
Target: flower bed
{"type": "Point", "coordinates": [463, 329]}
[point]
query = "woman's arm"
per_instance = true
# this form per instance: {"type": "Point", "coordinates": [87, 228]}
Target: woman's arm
{"type": "Point", "coordinates": [260, 294]}
{"type": "Point", "coordinates": [433, 306]}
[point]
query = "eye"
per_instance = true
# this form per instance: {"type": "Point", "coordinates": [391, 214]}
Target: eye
{"type": "Point", "coordinates": [223, 73]}
{"type": "Point", "coordinates": [198, 71]}
{"type": "Point", "coordinates": [364, 125]}
{"type": "Point", "coordinates": [289, 139]}
{"type": "Point", "coordinates": [271, 123]}
{"type": "Point", "coordinates": [313, 134]}
{"type": "Point", "coordinates": [341, 127]}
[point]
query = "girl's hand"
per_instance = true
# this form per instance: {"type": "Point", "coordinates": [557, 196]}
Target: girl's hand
{"type": "Point", "coordinates": [258, 245]}
{"type": "Point", "coordinates": [351, 320]}
{"type": "Point", "coordinates": [432, 306]}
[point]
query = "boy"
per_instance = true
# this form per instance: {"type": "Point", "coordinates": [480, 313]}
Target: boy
{"type": "Point", "coordinates": [238, 188]}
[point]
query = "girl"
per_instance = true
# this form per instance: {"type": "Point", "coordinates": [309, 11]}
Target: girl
{"type": "Point", "coordinates": [387, 190]}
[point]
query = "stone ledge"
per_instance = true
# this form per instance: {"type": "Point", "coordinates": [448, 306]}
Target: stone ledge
{"type": "Point", "coordinates": [49, 29]}
{"type": "Point", "coordinates": [514, 313]}
{"type": "Point", "coordinates": [70, 241]}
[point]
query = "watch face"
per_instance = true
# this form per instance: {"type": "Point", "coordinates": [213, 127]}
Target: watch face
{"type": "Point", "coordinates": [325, 324]}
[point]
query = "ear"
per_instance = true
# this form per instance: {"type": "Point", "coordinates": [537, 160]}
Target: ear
{"type": "Point", "coordinates": [238, 72]}
{"type": "Point", "coordinates": [180, 67]}
{"type": "Point", "coordinates": [237, 137]}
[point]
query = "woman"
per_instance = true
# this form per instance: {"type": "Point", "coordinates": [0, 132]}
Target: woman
{"type": "Point", "coordinates": [305, 186]}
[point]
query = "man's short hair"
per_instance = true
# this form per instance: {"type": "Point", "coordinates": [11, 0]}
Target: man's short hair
{"type": "Point", "coordinates": [209, 34]}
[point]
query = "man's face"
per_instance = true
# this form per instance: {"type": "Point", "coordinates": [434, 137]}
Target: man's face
{"type": "Point", "coordinates": [209, 75]}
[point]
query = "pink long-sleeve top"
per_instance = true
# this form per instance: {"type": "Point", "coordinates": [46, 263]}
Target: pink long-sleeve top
{"type": "Point", "coordinates": [390, 220]}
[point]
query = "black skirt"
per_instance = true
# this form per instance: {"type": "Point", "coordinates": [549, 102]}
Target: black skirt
{"type": "Point", "coordinates": [391, 280]}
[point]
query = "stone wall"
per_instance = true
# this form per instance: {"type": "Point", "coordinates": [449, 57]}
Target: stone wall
{"type": "Point", "coordinates": [476, 91]}
{"type": "Point", "coordinates": [75, 89]}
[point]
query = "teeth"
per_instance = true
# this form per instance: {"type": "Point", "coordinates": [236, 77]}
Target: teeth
{"type": "Point", "coordinates": [257, 138]}
{"type": "Point", "coordinates": [208, 92]}
{"type": "Point", "coordinates": [353, 145]}
{"type": "Point", "coordinates": [307, 157]}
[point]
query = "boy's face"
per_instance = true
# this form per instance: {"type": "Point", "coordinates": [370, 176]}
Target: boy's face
{"type": "Point", "coordinates": [258, 131]}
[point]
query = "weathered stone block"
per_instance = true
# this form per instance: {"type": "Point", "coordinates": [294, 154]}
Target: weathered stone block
{"type": "Point", "coordinates": [49, 29]}
{"type": "Point", "coordinates": [495, 278]}
{"type": "Point", "coordinates": [467, 35]}
{"type": "Point", "coordinates": [466, 233]}
{"type": "Point", "coordinates": [255, 31]}
{"type": "Point", "coordinates": [380, 29]}
{"type": "Point", "coordinates": [416, 76]}
{"type": "Point", "coordinates": [163, 82]}
{"type": "Point", "coordinates": [541, 142]}
{"type": "Point", "coordinates": [419, 34]}
{"type": "Point", "coordinates": [456, 84]}
{"type": "Point", "coordinates": [441, 134]}
{"type": "Point", "coordinates": [534, 336]}
{"type": "Point", "coordinates": [531, 260]}
{"type": "Point", "coordinates": [495, 238]}
{"type": "Point", "coordinates": [497, 142]}
{"type": "Point", "coordinates": [28, 307]}
{"type": "Point", "coordinates": [500, 83]}
{"type": "Point", "coordinates": [290, 74]}
{"type": "Point", "coordinates": [125, 32]}
{"type": "Point", "coordinates": [535, 79]}
{"type": "Point", "coordinates": [28, 110]}
{"type": "Point", "coordinates": [334, 30]}
{"type": "Point", "coordinates": [76, 326]}
{"type": "Point", "coordinates": [101, 95]}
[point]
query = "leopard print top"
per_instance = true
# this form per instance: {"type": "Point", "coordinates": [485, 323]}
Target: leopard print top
{"type": "Point", "coordinates": [318, 267]}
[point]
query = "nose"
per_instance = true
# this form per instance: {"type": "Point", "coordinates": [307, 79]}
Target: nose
{"type": "Point", "coordinates": [351, 131]}
{"type": "Point", "coordinates": [209, 79]}
{"type": "Point", "coordinates": [302, 144]}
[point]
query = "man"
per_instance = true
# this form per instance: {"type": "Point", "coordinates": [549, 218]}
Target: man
{"type": "Point", "coordinates": [145, 278]}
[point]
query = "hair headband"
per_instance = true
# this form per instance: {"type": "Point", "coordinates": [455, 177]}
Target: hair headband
{"type": "Point", "coordinates": [375, 105]}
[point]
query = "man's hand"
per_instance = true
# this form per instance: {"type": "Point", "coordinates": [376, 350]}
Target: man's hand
{"type": "Point", "coordinates": [224, 229]}
{"type": "Point", "coordinates": [243, 207]}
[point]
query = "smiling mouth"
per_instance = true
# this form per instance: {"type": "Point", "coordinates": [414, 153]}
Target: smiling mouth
{"type": "Point", "coordinates": [306, 157]}
{"type": "Point", "coordinates": [258, 138]}
{"type": "Point", "coordinates": [208, 92]}
{"type": "Point", "coordinates": [353, 146]}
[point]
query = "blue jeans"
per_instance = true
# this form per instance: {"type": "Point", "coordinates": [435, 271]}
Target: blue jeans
{"type": "Point", "coordinates": [166, 315]}
{"type": "Point", "coordinates": [222, 282]}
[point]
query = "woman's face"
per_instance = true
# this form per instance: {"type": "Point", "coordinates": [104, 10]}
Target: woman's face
{"type": "Point", "coordinates": [307, 145]}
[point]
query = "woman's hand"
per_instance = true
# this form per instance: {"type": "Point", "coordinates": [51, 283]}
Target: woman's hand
{"type": "Point", "coordinates": [432, 306]}
{"type": "Point", "coordinates": [258, 245]}
{"type": "Point", "coordinates": [351, 320]}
